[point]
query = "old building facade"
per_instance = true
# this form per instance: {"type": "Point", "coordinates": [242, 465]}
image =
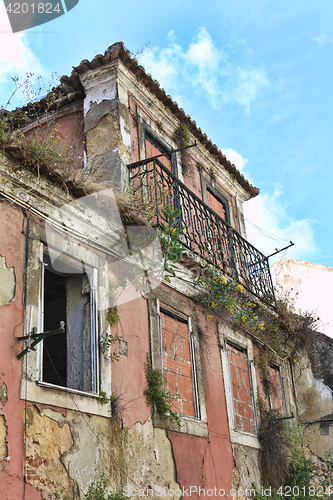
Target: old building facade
{"type": "Point", "coordinates": [80, 257]}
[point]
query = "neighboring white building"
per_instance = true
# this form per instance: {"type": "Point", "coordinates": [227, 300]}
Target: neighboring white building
{"type": "Point", "coordinates": [310, 285]}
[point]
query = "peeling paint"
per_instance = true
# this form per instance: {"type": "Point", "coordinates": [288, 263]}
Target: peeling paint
{"type": "Point", "coordinates": [55, 461]}
{"type": "Point", "coordinates": [7, 283]}
{"type": "Point", "coordinates": [3, 438]}
{"type": "Point", "coordinates": [3, 394]}
{"type": "Point", "coordinates": [46, 444]}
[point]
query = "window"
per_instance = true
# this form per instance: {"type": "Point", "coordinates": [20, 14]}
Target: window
{"type": "Point", "coordinates": [218, 203]}
{"type": "Point", "coordinates": [175, 351]}
{"type": "Point", "coordinates": [277, 400]}
{"type": "Point", "coordinates": [66, 369]}
{"type": "Point", "coordinates": [69, 359]}
{"type": "Point", "coordinates": [244, 416]}
{"type": "Point", "coordinates": [154, 146]}
{"type": "Point", "coordinates": [178, 361]}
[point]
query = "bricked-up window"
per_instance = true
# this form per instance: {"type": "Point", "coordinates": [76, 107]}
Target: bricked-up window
{"type": "Point", "coordinates": [277, 397]}
{"type": "Point", "coordinates": [178, 361]}
{"type": "Point", "coordinates": [242, 389]}
{"type": "Point", "coordinates": [218, 203]}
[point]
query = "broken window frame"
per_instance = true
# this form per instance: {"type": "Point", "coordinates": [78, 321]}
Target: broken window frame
{"type": "Point", "coordinates": [93, 326]}
{"type": "Point", "coordinates": [31, 388]}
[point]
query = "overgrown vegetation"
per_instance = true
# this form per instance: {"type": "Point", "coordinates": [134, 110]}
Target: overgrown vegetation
{"type": "Point", "coordinates": [33, 135]}
{"type": "Point", "coordinates": [97, 490]}
{"type": "Point", "coordinates": [170, 239]}
{"type": "Point", "coordinates": [287, 471]}
{"type": "Point", "coordinates": [107, 339]}
{"type": "Point", "coordinates": [181, 134]}
{"type": "Point", "coordinates": [159, 398]}
{"type": "Point", "coordinates": [283, 330]}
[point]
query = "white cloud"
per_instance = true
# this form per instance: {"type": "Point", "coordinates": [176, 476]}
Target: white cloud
{"type": "Point", "coordinates": [248, 84]}
{"type": "Point", "coordinates": [323, 39]}
{"type": "Point", "coordinates": [16, 57]}
{"type": "Point", "coordinates": [205, 68]}
{"type": "Point", "coordinates": [277, 228]}
{"type": "Point", "coordinates": [236, 158]}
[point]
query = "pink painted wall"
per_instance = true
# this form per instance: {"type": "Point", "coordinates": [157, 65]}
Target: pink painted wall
{"type": "Point", "coordinates": [12, 246]}
{"type": "Point", "coordinates": [128, 377]}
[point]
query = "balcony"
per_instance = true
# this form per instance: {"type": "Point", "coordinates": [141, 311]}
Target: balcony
{"type": "Point", "coordinates": [205, 233]}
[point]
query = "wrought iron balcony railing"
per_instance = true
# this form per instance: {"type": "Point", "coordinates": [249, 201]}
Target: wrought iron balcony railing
{"type": "Point", "coordinates": [205, 233]}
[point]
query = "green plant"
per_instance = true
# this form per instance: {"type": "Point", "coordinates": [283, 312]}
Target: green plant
{"type": "Point", "coordinates": [112, 316]}
{"type": "Point", "coordinates": [169, 237]}
{"type": "Point", "coordinates": [97, 490]}
{"type": "Point", "coordinates": [274, 450]}
{"type": "Point", "coordinates": [107, 339]}
{"type": "Point", "coordinates": [218, 294]}
{"type": "Point", "coordinates": [181, 134]}
{"type": "Point", "coordinates": [159, 125]}
{"type": "Point", "coordinates": [103, 399]}
{"type": "Point", "coordinates": [157, 396]}
{"type": "Point", "coordinates": [212, 173]}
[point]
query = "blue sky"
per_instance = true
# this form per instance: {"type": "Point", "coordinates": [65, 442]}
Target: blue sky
{"type": "Point", "coordinates": [255, 76]}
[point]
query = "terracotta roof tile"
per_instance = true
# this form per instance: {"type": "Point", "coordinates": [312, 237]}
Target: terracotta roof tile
{"type": "Point", "coordinates": [72, 89]}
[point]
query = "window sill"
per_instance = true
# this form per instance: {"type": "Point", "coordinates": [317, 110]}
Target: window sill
{"type": "Point", "coordinates": [244, 438]}
{"type": "Point", "coordinates": [62, 397]}
{"type": "Point", "coordinates": [185, 425]}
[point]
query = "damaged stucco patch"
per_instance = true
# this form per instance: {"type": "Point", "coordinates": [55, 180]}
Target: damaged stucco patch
{"type": "Point", "coordinates": [246, 472]}
{"type": "Point", "coordinates": [7, 283]}
{"type": "Point", "coordinates": [66, 452]}
{"type": "Point", "coordinates": [3, 438]}
{"type": "Point", "coordinates": [105, 137]}
{"type": "Point", "coordinates": [3, 394]}
{"type": "Point", "coordinates": [96, 113]}
{"type": "Point", "coordinates": [313, 378]}
{"type": "Point", "coordinates": [56, 463]}
{"type": "Point", "coordinates": [145, 453]}
{"type": "Point", "coordinates": [46, 444]}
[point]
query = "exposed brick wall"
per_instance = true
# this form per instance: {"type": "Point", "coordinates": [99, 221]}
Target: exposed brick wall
{"type": "Point", "coordinates": [176, 360]}
{"type": "Point", "coordinates": [152, 150]}
{"type": "Point", "coordinates": [241, 390]}
{"type": "Point", "coordinates": [216, 205]}
{"type": "Point", "coordinates": [276, 399]}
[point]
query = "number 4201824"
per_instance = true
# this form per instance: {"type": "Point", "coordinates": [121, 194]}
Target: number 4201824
{"type": "Point", "coordinates": [33, 8]}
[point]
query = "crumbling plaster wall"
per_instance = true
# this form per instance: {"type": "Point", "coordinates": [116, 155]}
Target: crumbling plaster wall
{"type": "Point", "coordinates": [247, 469]}
{"type": "Point", "coordinates": [101, 111]}
{"type": "Point", "coordinates": [313, 374]}
{"type": "Point", "coordinates": [12, 251]}
{"type": "Point", "coordinates": [65, 452]}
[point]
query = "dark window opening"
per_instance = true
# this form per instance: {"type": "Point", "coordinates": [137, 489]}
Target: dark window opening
{"type": "Point", "coordinates": [154, 147]}
{"type": "Point", "coordinates": [69, 359]}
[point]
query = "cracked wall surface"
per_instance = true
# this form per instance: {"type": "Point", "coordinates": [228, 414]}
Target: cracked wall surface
{"type": "Point", "coordinates": [247, 468]}
{"type": "Point", "coordinates": [64, 453]}
{"type": "Point", "coordinates": [313, 379]}
{"type": "Point", "coordinates": [7, 283]}
{"type": "Point", "coordinates": [3, 437]}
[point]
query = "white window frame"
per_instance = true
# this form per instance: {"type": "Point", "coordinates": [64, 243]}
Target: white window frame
{"type": "Point", "coordinates": [93, 331]}
{"type": "Point", "coordinates": [196, 426]}
{"type": "Point", "coordinates": [227, 334]}
{"type": "Point", "coordinates": [176, 315]}
{"type": "Point", "coordinates": [33, 388]}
